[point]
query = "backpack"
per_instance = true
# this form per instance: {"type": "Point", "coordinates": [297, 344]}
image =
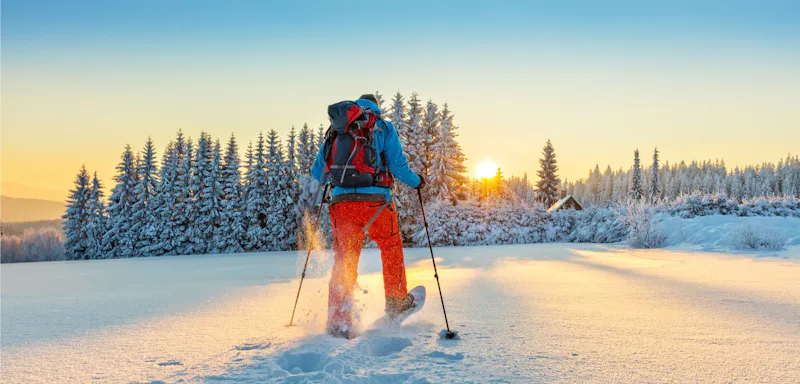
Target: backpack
{"type": "Point", "coordinates": [351, 160]}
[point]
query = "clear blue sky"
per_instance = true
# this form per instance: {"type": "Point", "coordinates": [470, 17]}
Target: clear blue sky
{"type": "Point", "coordinates": [80, 79]}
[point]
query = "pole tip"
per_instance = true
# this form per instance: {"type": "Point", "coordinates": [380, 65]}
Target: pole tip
{"type": "Point", "coordinates": [449, 335]}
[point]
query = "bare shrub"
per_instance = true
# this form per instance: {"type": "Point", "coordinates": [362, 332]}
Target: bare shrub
{"type": "Point", "coordinates": [643, 223]}
{"type": "Point", "coordinates": [45, 244]}
{"type": "Point", "coordinates": [11, 249]}
{"type": "Point", "coordinates": [748, 238]}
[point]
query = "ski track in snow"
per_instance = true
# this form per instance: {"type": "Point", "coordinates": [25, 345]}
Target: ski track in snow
{"type": "Point", "coordinates": [568, 313]}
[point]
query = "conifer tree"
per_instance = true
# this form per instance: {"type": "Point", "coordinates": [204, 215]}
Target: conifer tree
{"type": "Point", "coordinates": [305, 150]}
{"type": "Point", "coordinates": [278, 196]}
{"type": "Point", "coordinates": [143, 209]}
{"type": "Point", "coordinates": [430, 134]}
{"type": "Point", "coordinates": [77, 218]}
{"type": "Point", "coordinates": [548, 184]}
{"type": "Point", "coordinates": [293, 214]}
{"type": "Point", "coordinates": [119, 239]}
{"type": "Point", "coordinates": [291, 152]}
{"type": "Point", "coordinates": [184, 205]}
{"type": "Point", "coordinates": [447, 164]}
{"type": "Point", "coordinates": [249, 163]}
{"type": "Point", "coordinates": [231, 230]}
{"type": "Point", "coordinates": [655, 188]}
{"type": "Point", "coordinates": [205, 203]}
{"type": "Point", "coordinates": [412, 137]}
{"type": "Point", "coordinates": [636, 183]}
{"type": "Point", "coordinates": [97, 225]}
{"type": "Point", "coordinates": [319, 138]}
{"type": "Point", "coordinates": [166, 200]}
{"type": "Point", "coordinates": [213, 201]}
{"type": "Point", "coordinates": [457, 157]}
{"type": "Point", "coordinates": [257, 206]}
{"type": "Point", "coordinates": [397, 112]}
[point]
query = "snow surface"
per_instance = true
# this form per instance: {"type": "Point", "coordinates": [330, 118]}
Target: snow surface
{"type": "Point", "coordinates": [568, 313]}
{"type": "Point", "coordinates": [718, 232]}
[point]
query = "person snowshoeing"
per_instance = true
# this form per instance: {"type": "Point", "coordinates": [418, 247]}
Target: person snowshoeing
{"type": "Point", "coordinates": [360, 157]}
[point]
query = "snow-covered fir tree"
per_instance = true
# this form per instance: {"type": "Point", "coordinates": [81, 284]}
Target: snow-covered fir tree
{"type": "Point", "coordinates": [257, 205]}
{"type": "Point", "coordinates": [165, 201]}
{"type": "Point", "coordinates": [201, 221]}
{"type": "Point", "coordinates": [655, 187]}
{"type": "Point", "coordinates": [414, 135]}
{"type": "Point", "coordinates": [214, 201]}
{"type": "Point", "coordinates": [291, 151]}
{"type": "Point", "coordinates": [397, 112]}
{"type": "Point", "coordinates": [447, 162]}
{"type": "Point", "coordinates": [77, 218]}
{"type": "Point", "coordinates": [636, 179]}
{"type": "Point", "coordinates": [431, 133]}
{"type": "Point", "coordinates": [144, 209]}
{"type": "Point", "coordinates": [548, 184]}
{"type": "Point", "coordinates": [231, 230]}
{"type": "Point", "coordinates": [305, 150]}
{"type": "Point", "coordinates": [119, 240]}
{"type": "Point", "coordinates": [319, 138]}
{"type": "Point", "coordinates": [292, 216]}
{"type": "Point", "coordinates": [184, 204]}
{"type": "Point", "coordinates": [97, 224]}
{"type": "Point", "coordinates": [280, 209]}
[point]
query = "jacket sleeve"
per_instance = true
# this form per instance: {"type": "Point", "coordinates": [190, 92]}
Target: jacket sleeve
{"type": "Point", "coordinates": [396, 160]}
{"type": "Point", "coordinates": [319, 164]}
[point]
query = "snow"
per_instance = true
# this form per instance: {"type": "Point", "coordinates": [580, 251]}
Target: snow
{"type": "Point", "coordinates": [568, 313]}
{"type": "Point", "coordinates": [559, 203]}
{"type": "Point", "coordinates": [719, 232]}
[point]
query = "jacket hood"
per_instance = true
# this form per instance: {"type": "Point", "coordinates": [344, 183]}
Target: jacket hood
{"type": "Point", "coordinates": [369, 104]}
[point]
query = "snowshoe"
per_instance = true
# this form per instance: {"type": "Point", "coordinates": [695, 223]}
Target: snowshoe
{"type": "Point", "coordinates": [341, 332]}
{"type": "Point", "coordinates": [397, 310]}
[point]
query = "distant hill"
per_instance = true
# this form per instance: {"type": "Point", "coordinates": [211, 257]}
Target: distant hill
{"type": "Point", "coordinates": [13, 209]}
{"type": "Point", "coordinates": [12, 188]}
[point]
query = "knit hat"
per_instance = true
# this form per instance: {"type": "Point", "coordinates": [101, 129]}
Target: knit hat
{"type": "Point", "coordinates": [370, 97]}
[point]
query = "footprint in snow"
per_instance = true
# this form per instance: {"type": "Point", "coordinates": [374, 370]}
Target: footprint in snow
{"type": "Point", "coordinates": [302, 362]}
{"type": "Point", "coordinates": [384, 346]}
{"type": "Point", "coordinates": [446, 356]}
{"type": "Point", "coordinates": [250, 347]}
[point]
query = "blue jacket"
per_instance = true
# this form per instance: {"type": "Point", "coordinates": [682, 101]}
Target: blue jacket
{"type": "Point", "coordinates": [386, 143]}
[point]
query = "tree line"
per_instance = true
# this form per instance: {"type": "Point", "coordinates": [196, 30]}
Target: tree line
{"type": "Point", "coordinates": [665, 183]}
{"type": "Point", "coordinates": [200, 197]}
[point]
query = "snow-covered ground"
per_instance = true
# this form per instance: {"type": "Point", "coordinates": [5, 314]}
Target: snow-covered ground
{"type": "Point", "coordinates": [526, 313]}
{"type": "Point", "coordinates": [721, 233]}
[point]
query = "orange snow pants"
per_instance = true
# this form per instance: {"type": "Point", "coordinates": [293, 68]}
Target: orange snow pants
{"type": "Point", "coordinates": [349, 219]}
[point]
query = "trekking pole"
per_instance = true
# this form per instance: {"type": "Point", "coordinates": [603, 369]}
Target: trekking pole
{"type": "Point", "coordinates": [308, 254]}
{"type": "Point", "coordinates": [450, 334]}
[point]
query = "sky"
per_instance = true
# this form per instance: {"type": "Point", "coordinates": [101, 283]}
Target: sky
{"type": "Point", "coordinates": [697, 79]}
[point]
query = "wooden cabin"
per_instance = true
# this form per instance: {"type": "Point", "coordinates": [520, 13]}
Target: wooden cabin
{"type": "Point", "coordinates": [567, 202]}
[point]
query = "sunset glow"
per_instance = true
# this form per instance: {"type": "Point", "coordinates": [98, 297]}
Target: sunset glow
{"type": "Point", "coordinates": [486, 169]}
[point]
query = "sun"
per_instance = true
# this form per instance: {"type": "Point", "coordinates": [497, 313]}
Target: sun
{"type": "Point", "coordinates": [486, 169]}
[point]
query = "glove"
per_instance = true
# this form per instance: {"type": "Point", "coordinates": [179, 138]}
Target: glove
{"type": "Point", "coordinates": [421, 182]}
